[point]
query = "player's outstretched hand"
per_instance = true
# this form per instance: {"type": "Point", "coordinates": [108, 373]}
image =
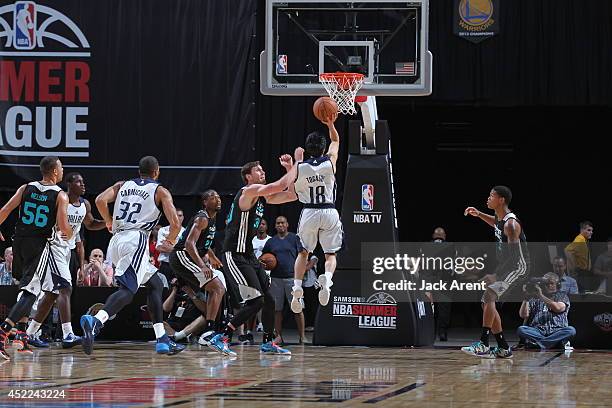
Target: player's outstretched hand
{"type": "Point", "coordinates": [1, 237]}
{"type": "Point", "coordinates": [298, 154]}
{"type": "Point", "coordinates": [471, 211]}
{"type": "Point", "coordinates": [109, 227]}
{"type": "Point", "coordinates": [216, 263]}
{"type": "Point", "coordinates": [286, 161]}
{"type": "Point", "coordinates": [330, 121]}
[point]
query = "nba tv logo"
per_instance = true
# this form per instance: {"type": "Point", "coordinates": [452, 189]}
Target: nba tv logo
{"type": "Point", "coordinates": [24, 25]}
{"type": "Point", "coordinates": [367, 197]}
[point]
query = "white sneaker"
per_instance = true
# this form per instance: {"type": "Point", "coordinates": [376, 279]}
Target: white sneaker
{"type": "Point", "coordinates": [324, 293]}
{"type": "Point", "coordinates": [205, 338]}
{"type": "Point", "coordinates": [298, 299]}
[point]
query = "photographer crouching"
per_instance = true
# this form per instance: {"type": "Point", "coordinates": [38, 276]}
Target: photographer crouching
{"type": "Point", "coordinates": [545, 309]}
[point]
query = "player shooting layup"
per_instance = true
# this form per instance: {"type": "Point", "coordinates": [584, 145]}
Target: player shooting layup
{"type": "Point", "coordinates": [315, 187]}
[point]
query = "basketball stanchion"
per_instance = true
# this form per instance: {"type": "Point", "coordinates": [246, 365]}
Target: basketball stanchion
{"type": "Point", "coordinates": [368, 215]}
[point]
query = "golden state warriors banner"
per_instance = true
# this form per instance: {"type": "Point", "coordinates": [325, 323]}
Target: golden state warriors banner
{"type": "Point", "coordinates": [476, 20]}
{"type": "Point", "coordinates": [101, 84]}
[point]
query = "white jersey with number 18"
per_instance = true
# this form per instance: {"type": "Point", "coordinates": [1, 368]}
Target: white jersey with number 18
{"type": "Point", "coordinates": [315, 185]}
{"type": "Point", "coordinates": [135, 207]}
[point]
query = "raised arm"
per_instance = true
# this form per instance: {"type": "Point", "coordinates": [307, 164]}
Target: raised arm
{"type": "Point", "coordinates": [489, 219]}
{"type": "Point", "coordinates": [164, 197]}
{"type": "Point", "coordinates": [265, 190]}
{"type": "Point", "coordinates": [104, 199]}
{"type": "Point", "coordinates": [288, 194]}
{"type": "Point", "coordinates": [334, 146]}
{"type": "Point", "coordinates": [89, 221]}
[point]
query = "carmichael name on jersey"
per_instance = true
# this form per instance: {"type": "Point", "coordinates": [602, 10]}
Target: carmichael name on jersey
{"type": "Point", "coordinates": [315, 185]}
{"type": "Point", "coordinates": [135, 207]}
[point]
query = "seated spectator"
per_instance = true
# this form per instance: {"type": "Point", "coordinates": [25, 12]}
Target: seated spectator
{"type": "Point", "coordinates": [545, 309]}
{"type": "Point", "coordinates": [6, 269]}
{"type": "Point", "coordinates": [184, 310]}
{"type": "Point", "coordinates": [98, 272]}
{"type": "Point", "coordinates": [603, 269]}
{"type": "Point", "coordinates": [568, 284]}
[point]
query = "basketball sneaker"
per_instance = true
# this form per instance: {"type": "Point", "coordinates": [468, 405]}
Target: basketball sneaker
{"type": "Point", "coordinates": [91, 327]}
{"type": "Point", "coordinates": [3, 342]}
{"type": "Point", "coordinates": [272, 348]}
{"type": "Point", "coordinates": [37, 342]}
{"type": "Point", "coordinates": [70, 341]}
{"type": "Point", "coordinates": [297, 303]}
{"type": "Point", "coordinates": [499, 352]}
{"type": "Point", "coordinates": [325, 291]}
{"type": "Point", "coordinates": [21, 343]}
{"type": "Point", "coordinates": [205, 338]}
{"type": "Point", "coordinates": [246, 339]}
{"type": "Point", "coordinates": [166, 346]}
{"type": "Point", "coordinates": [220, 343]}
{"type": "Point", "coordinates": [478, 349]}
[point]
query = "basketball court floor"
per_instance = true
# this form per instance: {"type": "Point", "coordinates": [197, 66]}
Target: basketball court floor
{"type": "Point", "coordinates": [132, 375]}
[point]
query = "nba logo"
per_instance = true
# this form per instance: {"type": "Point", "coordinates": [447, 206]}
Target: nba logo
{"type": "Point", "coordinates": [367, 197]}
{"type": "Point", "coordinates": [281, 64]}
{"type": "Point", "coordinates": [24, 27]}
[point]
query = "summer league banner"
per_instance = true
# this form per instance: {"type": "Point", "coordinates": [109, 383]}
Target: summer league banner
{"type": "Point", "coordinates": [101, 84]}
{"type": "Point", "coordinates": [462, 271]}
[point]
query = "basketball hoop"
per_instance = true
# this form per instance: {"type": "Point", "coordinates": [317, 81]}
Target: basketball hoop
{"type": "Point", "coordinates": [342, 87]}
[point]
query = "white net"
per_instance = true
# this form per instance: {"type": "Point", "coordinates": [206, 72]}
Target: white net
{"type": "Point", "coordinates": [342, 87]}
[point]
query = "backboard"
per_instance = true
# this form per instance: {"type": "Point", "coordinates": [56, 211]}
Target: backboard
{"type": "Point", "coordinates": [384, 40]}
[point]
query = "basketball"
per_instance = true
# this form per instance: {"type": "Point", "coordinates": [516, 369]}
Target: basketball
{"type": "Point", "coordinates": [269, 261]}
{"type": "Point", "coordinates": [324, 108]}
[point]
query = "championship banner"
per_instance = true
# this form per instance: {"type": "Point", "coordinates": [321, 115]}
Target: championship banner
{"type": "Point", "coordinates": [102, 84]}
{"type": "Point", "coordinates": [476, 20]}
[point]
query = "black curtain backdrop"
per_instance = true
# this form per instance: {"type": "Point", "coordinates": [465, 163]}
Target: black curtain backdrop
{"type": "Point", "coordinates": [525, 108]}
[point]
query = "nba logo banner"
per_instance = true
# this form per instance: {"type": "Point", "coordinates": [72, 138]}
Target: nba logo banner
{"type": "Point", "coordinates": [281, 64]}
{"type": "Point", "coordinates": [367, 197]}
{"type": "Point", "coordinates": [24, 25]}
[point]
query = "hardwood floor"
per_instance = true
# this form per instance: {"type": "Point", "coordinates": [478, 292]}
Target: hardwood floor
{"type": "Point", "coordinates": [131, 374]}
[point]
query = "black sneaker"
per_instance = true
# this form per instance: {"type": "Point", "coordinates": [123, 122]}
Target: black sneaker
{"type": "Point", "coordinates": [21, 343]}
{"type": "Point", "coordinates": [246, 339]}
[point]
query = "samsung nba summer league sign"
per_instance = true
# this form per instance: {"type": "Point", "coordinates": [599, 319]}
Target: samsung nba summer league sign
{"type": "Point", "coordinates": [101, 95]}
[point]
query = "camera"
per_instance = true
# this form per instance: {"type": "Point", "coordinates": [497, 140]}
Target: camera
{"type": "Point", "coordinates": [531, 287]}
